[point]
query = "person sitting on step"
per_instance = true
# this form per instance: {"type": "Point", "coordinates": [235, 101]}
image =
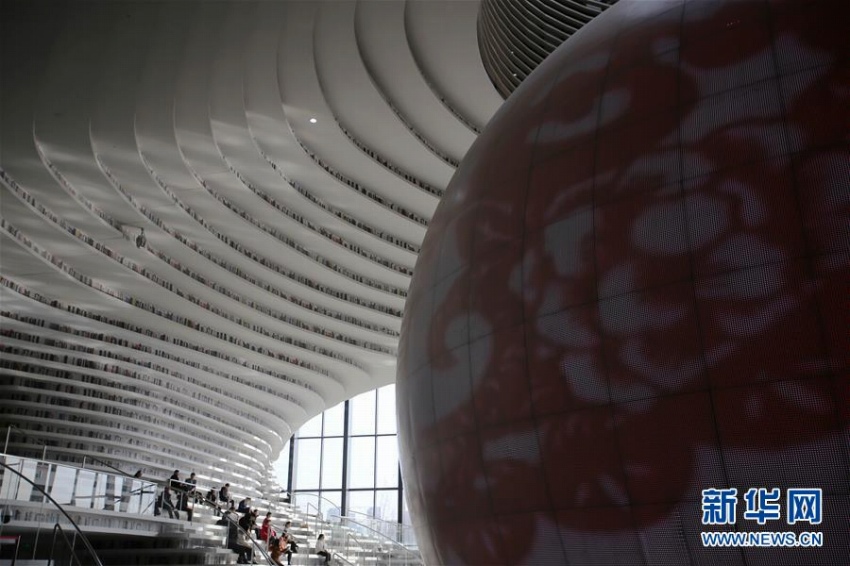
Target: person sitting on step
{"type": "Point", "coordinates": [244, 505]}
{"type": "Point", "coordinates": [276, 548]}
{"type": "Point", "coordinates": [322, 549]}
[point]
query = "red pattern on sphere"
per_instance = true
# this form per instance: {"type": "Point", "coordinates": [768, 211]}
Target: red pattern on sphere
{"type": "Point", "coordinates": [637, 288]}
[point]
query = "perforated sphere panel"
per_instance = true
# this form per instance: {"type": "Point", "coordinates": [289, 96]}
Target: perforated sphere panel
{"type": "Point", "coordinates": [637, 288]}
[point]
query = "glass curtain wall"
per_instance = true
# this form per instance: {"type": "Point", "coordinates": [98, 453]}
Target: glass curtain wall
{"type": "Point", "coordinates": [347, 458]}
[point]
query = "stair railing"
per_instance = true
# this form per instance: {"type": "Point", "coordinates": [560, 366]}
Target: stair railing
{"type": "Point", "coordinates": [349, 549]}
{"type": "Point", "coordinates": [400, 532]}
{"type": "Point", "coordinates": [41, 443]}
{"type": "Point", "coordinates": [82, 536]}
{"type": "Point", "coordinates": [58, 530]}
{"type": "Point", "coordinates": [318, 517]}
{"type": "Point", "coordinates": [344, 558]}
{"type": "Point", "coordinates": [398, 553]}
{"type": "Point", "coordinates": [319, 499]}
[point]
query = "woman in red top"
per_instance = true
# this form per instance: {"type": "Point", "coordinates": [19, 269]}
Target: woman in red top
{"type": "Point", "coordinates": [267, 528]}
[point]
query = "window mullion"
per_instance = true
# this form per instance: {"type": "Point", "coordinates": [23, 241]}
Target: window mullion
{"type": "Point", "coordinates": [343, 507]}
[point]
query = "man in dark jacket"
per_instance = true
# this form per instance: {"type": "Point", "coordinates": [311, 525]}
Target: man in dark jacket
{"type": "Point", "coordinates": [244, 505]}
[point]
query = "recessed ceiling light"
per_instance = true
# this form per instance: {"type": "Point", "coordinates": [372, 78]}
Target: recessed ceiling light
{"type": "Point", "coordinates": [313, 120]}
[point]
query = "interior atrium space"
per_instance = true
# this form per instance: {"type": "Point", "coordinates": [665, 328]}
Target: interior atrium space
{"type": "Point", "coordinates": [425, 282]}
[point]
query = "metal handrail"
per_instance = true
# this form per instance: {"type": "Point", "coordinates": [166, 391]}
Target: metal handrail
{"type": "Point", "coordinates": [58, 528]}
{"type": "Point", "coordinates": [382, 536]}
{"type": "Point", "coordinates": [61, 510]}
{"type": "Point", "coordinates": [117, 497]}
{"type": "Point", "coordinates": [142, 489]}
{"type": "Point", "coordinates": [393, 524]}
{"type": "Point", "coordinates": [31, 437]}
{"type": "Point", "coordinates": [349, 535]}
{"type": "Point", "coordinates": [318, 515]}
{"type": "Point", "coordinates": [341, 557]}
{"type": "Point", "coordinates": [295, 495]}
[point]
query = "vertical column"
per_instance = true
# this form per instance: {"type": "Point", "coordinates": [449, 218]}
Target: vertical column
{"type": "Point", "coordinates": [345, 431]}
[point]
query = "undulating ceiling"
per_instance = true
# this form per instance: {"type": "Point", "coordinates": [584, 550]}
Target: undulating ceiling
{"type": "Point", "coordinates": [517, 35]}
{"type": "Point", "coordinates": [283, 160]}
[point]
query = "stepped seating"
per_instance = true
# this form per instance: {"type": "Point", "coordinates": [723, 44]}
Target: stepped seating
{"type": "Point", "coordinates": [167, 556]}
{"type": "Point", "coordinates": [178, 542]}
{"type": "Point", "coordinates": [202, 541]}
{"type": "Point", "coordinates": [348, 546]}
{"type": "Point", "coordinates": [122, 538]}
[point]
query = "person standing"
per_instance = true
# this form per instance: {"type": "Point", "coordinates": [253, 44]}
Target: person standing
{"type": "Point", "coordinates": [167, 503]}
{"type": "Point", "coordinates": [176, 484]}
{"type": "Point", "coordinates": [191, 487]}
